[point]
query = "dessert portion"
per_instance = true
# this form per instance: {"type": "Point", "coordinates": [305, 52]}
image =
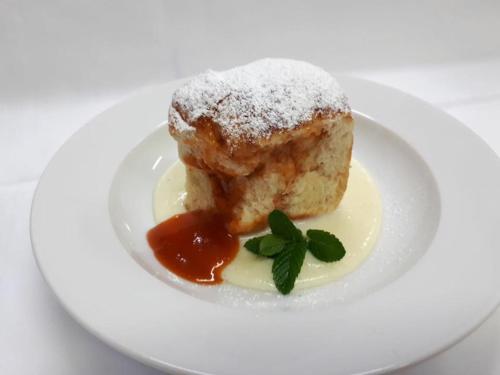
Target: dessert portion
{"type": "Point", "coordinates": [273, 134]}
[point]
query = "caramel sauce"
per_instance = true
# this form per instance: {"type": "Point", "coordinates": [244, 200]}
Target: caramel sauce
{"type": "Point", "coordinates": [194, 245]}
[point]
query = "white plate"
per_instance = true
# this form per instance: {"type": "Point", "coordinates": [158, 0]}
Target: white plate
{"type": "Point", "coordinates": [431, 279]}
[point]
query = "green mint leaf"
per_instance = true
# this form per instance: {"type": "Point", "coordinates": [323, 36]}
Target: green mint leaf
{"type": "Point", "coordinates": [271, 245]}
{"type": "Point", "coordinates": [325, 246]}
{"type": "Point", "coordinates": [281, 226]}
{"type": "Point", "coordinates": [253, 245]}
{"type": "Point", "coordinates": [287, 265]}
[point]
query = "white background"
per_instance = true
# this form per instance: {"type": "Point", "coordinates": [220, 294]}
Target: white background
{"type": "Point", "coordinates": [62, 62]}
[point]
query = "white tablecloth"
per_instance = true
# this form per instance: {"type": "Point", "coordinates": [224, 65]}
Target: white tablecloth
{"type": "Point", "coordinates": [61, 63]}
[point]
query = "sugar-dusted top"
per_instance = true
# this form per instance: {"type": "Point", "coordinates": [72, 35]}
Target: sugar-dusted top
{"type": "Point", "coordinates": [251, 101]}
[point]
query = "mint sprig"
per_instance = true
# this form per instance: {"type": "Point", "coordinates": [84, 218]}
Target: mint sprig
{"type": "Point", "coordinates": [283, 227]}
{"type": "Point", "coordinates": [324, 245]}
{"type": "Point", "coordinates": [271, 244]}
{"type": "Point", "coordinates": [287, 265]}
{"type": "Point", "coordinates": [253, 245]}
{"type": "Point", "coordinates": [287, 246]}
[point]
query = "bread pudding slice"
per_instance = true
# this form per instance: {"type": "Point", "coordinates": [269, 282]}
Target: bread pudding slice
{"type": "Point", "coordinates": [273, 134]}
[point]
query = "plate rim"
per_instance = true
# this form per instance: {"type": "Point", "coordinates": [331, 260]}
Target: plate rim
{"type": "Point", "coordinates": [179, 369]}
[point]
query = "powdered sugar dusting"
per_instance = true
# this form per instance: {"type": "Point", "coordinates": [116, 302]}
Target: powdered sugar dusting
{"type": "Point", "coordinates": [176, 120]}
{"type": "Point", "coordinates": [253, 100]}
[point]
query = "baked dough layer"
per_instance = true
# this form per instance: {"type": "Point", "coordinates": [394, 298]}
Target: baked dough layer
{"type": "Point", "coordinates": [300, 167]}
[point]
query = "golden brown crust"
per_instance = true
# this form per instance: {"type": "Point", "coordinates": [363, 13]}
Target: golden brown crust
{"type": "Point", "coordinates": [206, 148]}
{"type": "Point", "coordinates": [254, 102]}
{"type": "Point", "coordinates": [208, 128]}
